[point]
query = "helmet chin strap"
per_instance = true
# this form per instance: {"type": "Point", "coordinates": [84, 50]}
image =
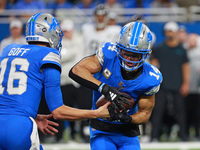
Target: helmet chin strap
{"type": "Point", "coordinates": [59, 47]}
{"type": "Point", "coordinates": [129, 69]}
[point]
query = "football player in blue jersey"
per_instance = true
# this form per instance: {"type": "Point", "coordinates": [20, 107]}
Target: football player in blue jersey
{"type": "Point", "coordinates": [25, 72]}
{"type": "Point", "coordinates": [112, 67]}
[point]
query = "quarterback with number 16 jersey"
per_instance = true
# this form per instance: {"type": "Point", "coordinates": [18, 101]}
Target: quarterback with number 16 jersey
{"type": "Point", "coordinates": [26, 72]}
{"type": "Point", "coordinates": [24, 76]}
{"type": "Point", "coordinates": [21, 87]}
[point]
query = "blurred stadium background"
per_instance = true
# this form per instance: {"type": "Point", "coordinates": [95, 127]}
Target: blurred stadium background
{"type": "Point", "coordinates": [187, 14]}
{"type": "Point", "coordinates": [156, 17]}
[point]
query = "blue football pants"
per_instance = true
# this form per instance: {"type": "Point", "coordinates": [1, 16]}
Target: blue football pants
{"type": "Point", "coordinates": [15, 132]}
{"type": "Point", "coordinates": [113, 141]}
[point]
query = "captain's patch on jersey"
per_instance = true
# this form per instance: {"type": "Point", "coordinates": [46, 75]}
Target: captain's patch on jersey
{"type": "Point", "coordinates": [107, 73]}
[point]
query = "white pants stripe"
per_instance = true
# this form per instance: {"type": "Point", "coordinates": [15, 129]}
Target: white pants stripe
{"type": "Point", "coordinates": [35, 142]}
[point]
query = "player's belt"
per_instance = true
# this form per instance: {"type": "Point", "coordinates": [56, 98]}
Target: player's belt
{"type": "Point", "coordinates": [126, 129]}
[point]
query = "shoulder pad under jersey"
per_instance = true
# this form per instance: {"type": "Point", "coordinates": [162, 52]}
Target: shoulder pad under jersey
{"type": "Point", "coordinates": [106, 51]}
{"type": "Point", "coordinates": [51, 56]}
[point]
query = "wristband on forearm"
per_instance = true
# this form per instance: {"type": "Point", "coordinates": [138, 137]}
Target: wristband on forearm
{"type": "Point", "coordinates": [103, 88]}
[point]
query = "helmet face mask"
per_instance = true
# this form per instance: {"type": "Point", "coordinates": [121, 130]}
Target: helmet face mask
{"type": "Point", "coordinates": [43, 27]}
{"type": "Point", "coordinates": [134, 45]}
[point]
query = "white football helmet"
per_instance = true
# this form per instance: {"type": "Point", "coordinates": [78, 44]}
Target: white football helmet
{"type": "Point", "coordinates": [101, 10]}
{"type": "Point", "coordinates": [43, 27]}
{"type": "Point", "coordinates": [134, 45]}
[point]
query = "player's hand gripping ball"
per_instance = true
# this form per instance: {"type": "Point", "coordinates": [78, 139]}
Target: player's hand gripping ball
{"type": "Point", "coordinates": [102, 100]}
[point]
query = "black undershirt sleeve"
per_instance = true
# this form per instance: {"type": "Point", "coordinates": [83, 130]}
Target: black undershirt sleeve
{"type": "Point", "coordinates": [83, 82]}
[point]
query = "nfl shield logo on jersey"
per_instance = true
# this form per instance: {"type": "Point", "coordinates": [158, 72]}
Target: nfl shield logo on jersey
{"type": "Point", "coordinates": [120, 83]}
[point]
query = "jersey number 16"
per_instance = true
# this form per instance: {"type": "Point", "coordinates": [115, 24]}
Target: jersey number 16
{"type": "Point", "coordinates": [11, 75]}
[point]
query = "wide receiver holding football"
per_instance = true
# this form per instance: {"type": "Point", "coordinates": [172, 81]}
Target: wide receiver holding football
{"type": "Point", "coordinates": [121, 66]}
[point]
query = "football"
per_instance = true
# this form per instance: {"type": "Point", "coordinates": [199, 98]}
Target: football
{"type": "Point", "coordinates": [102, 100]}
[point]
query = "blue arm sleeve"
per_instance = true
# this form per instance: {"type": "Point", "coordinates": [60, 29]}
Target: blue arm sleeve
{"type": "Point", "coordinates": [52, 89]}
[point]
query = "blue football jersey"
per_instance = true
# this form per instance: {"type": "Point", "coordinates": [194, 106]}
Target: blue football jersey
{"type": "Point", "coordinates": [21, 78]}
{"type": "Point", "coordinates": [148, 83]}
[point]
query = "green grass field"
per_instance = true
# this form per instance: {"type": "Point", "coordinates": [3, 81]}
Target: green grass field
{"type": "Point", "coordinates": [146, 146]}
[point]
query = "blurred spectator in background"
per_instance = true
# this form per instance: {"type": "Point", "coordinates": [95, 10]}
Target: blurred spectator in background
{"type": "Point", "coordinates": [2, 5]}
{"type": "Point", "coordinates": [113, 4]}
{"type": "Point", "coordinates": [187, 3]}
{"type": "Point", "coordinates": [112, 19]}
{"type": "Point", "coordinates": [71, 52]}
{"type": "Point", "coordinates": [183, 35]}
{"type": "Point", "coordinates": [29, 5]}
{"type": "Point", "coordinates": [171, 58]}
{"type": "Point", "coordinates": [24, 6]}
{"type": "Point", "coordinates": [95, 34]}
{"type": "Point", "coordinates": [193, 99]}
{"type": "Point", "coordinates": [16, 34]}
{"type": "Point", "coordinates": [11, 3]}
{"type": "Point", "coordinates": [2, 8]}
{"type": "Point", "coordinates": [164, 3]}
{"type": "Point", "coordinates": [137, 3]}
{"type": "Point", "coordinates": [86, 4]}
{"type": "Point", "coordinates": [60, 4]}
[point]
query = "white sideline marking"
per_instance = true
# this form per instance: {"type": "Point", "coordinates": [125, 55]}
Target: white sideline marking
{"type": "Point", "coordinates": [163, 145]}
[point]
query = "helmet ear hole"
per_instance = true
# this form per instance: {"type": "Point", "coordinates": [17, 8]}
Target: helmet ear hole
{"type": "Point", "coordinates": [44, 29]}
